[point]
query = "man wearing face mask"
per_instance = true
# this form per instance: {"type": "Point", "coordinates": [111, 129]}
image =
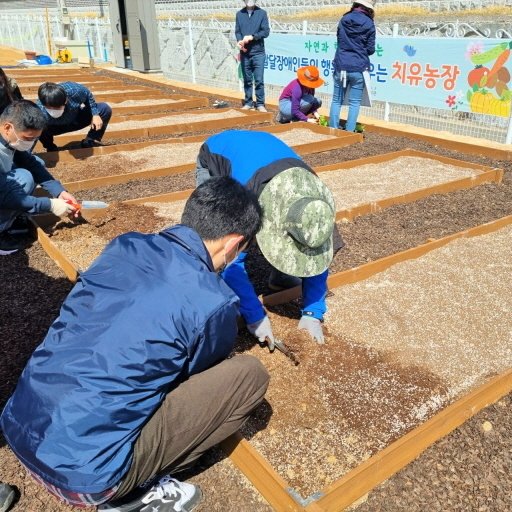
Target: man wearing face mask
{"type": "Point", "coordinates": [251, 28]}
{"type": "Point", "coordinates": [298, 224]}
{"type": "Point", "coordinates": [21, 123]}
{"type": "Point", "coordinates": [132, 379]}
{"type": "Point", "coordinates": [69, 107]}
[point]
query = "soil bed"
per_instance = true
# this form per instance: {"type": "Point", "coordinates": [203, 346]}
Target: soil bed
{"type": "Point", "coordinates": [182, 118]}
{"type": "Point", "coordinates": [138, 103]}
{"type": "Point", "coordinates": [467, 471]}
{"type": "Point", "coordinates": [82, 242]}
{"type": "Point", "coordinates": [401, 345]}
{"type": "Point", "coordinates": [373, 182]}
{"type": "Point", "coordinates": [155, 157]}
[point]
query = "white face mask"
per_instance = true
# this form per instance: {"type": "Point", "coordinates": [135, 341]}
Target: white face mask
{"type": "Point", "coordinates": [250, 4]}
{"type": "Point", "coordinates": [20, 144]}
{"type": "Point", "coordinates": [228, 263]}
{"type": "Point", "coordinates": [55, 113]}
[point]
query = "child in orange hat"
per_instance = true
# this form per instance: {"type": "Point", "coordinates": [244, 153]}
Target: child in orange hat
{"type": "Point", "coordinates": [297, 101]}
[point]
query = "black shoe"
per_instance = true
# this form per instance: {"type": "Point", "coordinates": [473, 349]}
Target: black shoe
{"type": "Point", "coordinates": [10, 244]}
{"type": "Point", "coordinates": [6, 497]}
{"type": "Point", "coordinates": [167, 495]}
{"type": "Point", "coordinates": [52, 147]}
{"type": "Point", "coordinates": [91, 143]}
{"type": "Point", "coordinates": [20, 226]}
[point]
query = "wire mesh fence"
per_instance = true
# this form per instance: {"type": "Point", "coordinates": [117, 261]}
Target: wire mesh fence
{"type": "Point", "coordinates": [203, 52]}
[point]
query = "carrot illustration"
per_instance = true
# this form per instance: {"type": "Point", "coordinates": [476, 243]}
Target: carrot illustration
{"type": "Point", "coordinates": [499, 62]}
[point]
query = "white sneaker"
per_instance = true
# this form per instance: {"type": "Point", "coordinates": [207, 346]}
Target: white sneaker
{"type": "Point", "coordinates": [261, 108]}
{"type": "Point", "coordinates": [247, 107]}
{"type": "Point", "coordinates": [167, 495]}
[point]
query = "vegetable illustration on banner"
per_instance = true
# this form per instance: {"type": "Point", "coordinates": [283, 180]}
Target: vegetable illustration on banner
{"type": "Point", "coordinates": [489, 91]}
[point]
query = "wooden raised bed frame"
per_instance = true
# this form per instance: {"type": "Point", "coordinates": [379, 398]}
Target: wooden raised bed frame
{"type": "Point", "coordinates": [486, 175]}
{"type": "Point", "coordinates": [251, 117]}
{"type": "Point", "coordinates": [342, 139]}
{"type": "Point", "coordinates": [381, 466]}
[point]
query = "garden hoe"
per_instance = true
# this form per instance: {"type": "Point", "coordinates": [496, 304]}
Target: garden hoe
{"type": "Point", "coordinates": [282, 348]}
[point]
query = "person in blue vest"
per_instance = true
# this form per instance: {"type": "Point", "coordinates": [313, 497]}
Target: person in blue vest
{"type": "Point", "coordinates": [131, 380]}
{"type": "Point", "coordinates": [298, 223]}
{"type": "Point", "coordinates": [251, 28]}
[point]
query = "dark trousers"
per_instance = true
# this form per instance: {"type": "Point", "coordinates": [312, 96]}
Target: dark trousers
{"type": "Point", "coordinates": [252, 70]}
{"type": "Point", "coordinates": [200, 413]}
{"type": "Point", "coordinates": [82, 119]}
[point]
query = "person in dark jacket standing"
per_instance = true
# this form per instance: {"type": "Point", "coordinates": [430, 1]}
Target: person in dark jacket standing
{"type": "Point", "coordinates": [356, 42]}
{"type": "Point", "coordinates": [132, 379]}
{"type": "Point", "coordinates": [298, 224]}
{"type": "Point", "coordinates": [21, 124]}
{"type": "Point", "coordinates": [69, 107]}
{"type": "Point", "coordinates": [251, 28]}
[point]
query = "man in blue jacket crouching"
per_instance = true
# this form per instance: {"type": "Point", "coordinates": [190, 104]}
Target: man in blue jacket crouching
{"type": "Point", "coordinates": [132, 378]}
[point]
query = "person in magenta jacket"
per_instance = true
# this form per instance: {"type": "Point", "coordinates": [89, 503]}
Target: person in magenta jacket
{"type": "Point", "coordinates": [297, 101]}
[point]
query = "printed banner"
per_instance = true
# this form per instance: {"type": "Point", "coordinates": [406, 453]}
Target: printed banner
{"type": "Point", "coordinates": [469, 75]}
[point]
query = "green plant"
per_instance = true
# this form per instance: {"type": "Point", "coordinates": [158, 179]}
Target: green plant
{"type": "Point", "coordinates": [360, 128]}
{"type": "Point", "coordinates": [322, 121]}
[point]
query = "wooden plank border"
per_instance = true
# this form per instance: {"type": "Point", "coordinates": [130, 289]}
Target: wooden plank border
{"type": "Point", "coordinates": [341, 139]}
{"type": "Point", "coordinates": [392, 459]}
{"type": "Point", "coordinates": [184, 103]}
{"type": "Point", "coordinates": [251, 117]}
{"type": "Point", "coordinates": [74, 186]}
{"type": "Point", "coordinates": [335, 280]}
{"type": "Point", "coordinates": [446, 142]}
{"type": "Point", "coordinates": [385, 463]}
{"type": "Point", "coordinates": [485, 175]}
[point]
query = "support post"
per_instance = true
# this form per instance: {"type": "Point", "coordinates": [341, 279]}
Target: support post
{"type": "Point", "coordinates": [508, 138]}
{"type": "Point", "coordinates": [192, 53]}
{"type": "Point", "coordinates": [45, 35]}
{"type": "Point", "coordinates": [387, 105]}
{"type": "Point", "coordinates": [98, 38]}
{"type": "Point", "coordinates": [21, 43]}
{"type": "Point", "coordinates": [10, 34]}
{"type": "Point", "coordinates": [304, 27]}
{"type": "Point", "coordinates": [31, 30]}
{"type": "Point", "coordinates": [49, 34]}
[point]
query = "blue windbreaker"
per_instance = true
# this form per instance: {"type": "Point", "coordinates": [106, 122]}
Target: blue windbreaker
{"type": "Point", "coordinates": [356, 42]}
{"type": "Point", "coordinates": [148, 313]}
{"type": "Point", "coordinates": [232, 153]}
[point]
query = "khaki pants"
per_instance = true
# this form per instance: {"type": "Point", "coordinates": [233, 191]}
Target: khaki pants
{"type": "Point", "coordinates": [200, 413]}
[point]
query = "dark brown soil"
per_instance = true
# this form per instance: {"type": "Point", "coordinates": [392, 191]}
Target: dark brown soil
{"type": "Point", "coordinates": [140, 188]}
{"type": "Point", "coordinates": [468, 471]}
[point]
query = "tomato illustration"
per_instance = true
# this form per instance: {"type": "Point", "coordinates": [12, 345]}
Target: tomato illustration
{"type": "Point", "coordinates": [476, 75]}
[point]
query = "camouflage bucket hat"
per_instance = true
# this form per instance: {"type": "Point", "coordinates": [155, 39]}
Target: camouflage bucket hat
{"type": "Point", "coordinates": [298, 222]}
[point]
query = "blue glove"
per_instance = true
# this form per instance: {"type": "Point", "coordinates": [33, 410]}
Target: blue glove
{"type": "Point", "coordinates": [313, 326]}
{"type": "Point", "coordinates": [263, 331]}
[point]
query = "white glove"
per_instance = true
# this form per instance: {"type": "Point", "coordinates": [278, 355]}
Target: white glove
{"type": "Point", "coordinates": [312, 120]}
{"type": "Point", "coordinates": [60, 208]}
{"type": "Point", "coordinates": [263, 331]}
{"type": "Point", "coordinates": [314, 328]}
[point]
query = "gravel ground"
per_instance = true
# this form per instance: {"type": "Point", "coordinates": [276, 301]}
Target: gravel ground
{"type": "Point", "coordinates": [468, 471]}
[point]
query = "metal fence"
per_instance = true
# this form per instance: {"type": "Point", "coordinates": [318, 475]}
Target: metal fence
{"type": "Point", "coordinates": [203, 52]}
